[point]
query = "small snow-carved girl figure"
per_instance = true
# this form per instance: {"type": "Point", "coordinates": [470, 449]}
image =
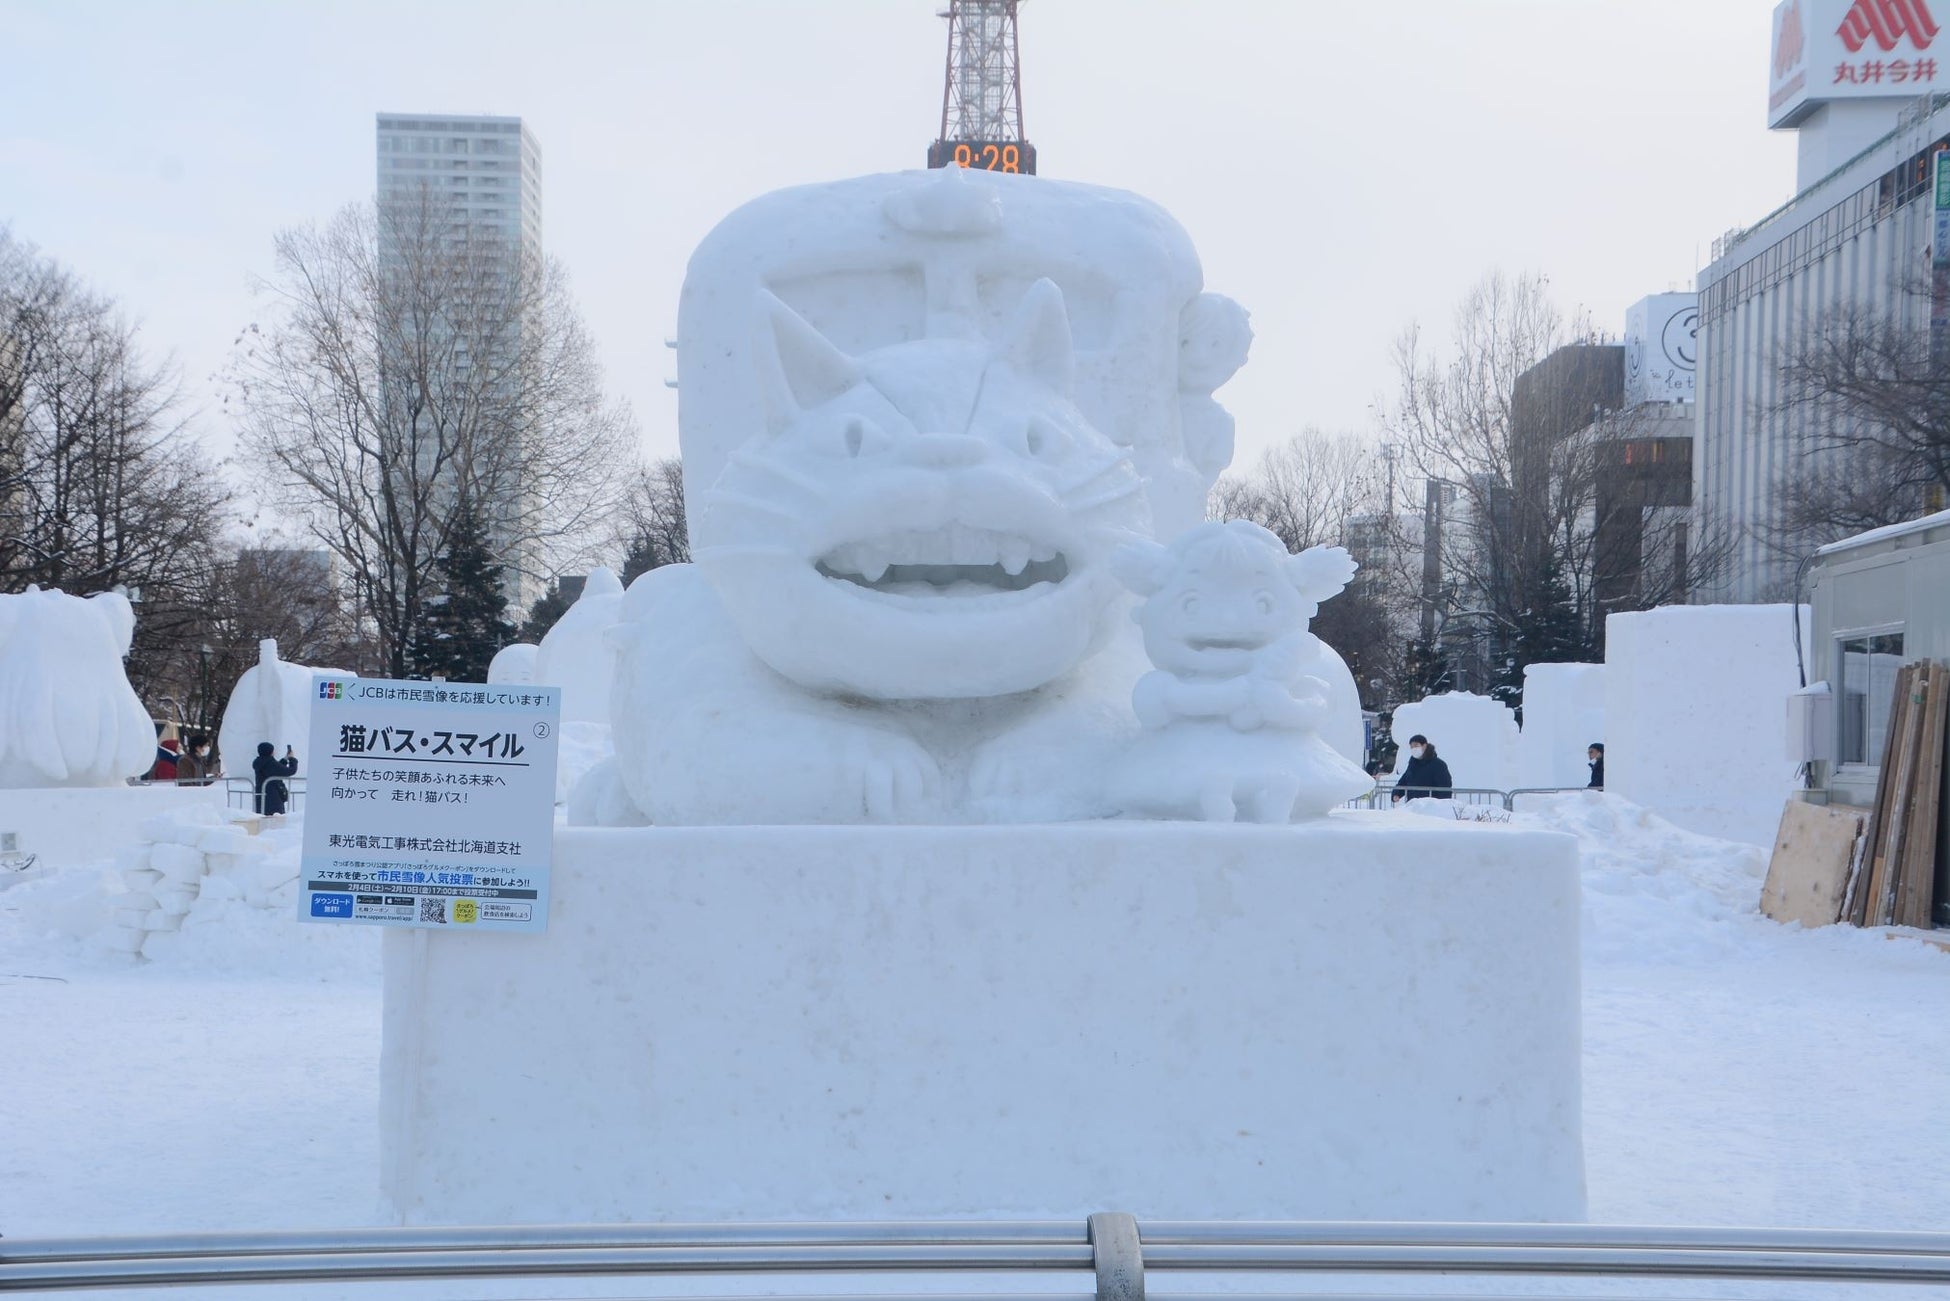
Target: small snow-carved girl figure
{"type": "Point", "coordinates": [1229, 721]}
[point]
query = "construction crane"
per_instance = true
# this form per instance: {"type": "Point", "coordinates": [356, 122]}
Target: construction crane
{"type": "Point", "coordinates": [981, 98]}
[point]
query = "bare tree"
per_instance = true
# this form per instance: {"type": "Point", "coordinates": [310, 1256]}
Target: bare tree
{"type": "Point", "coordinates": [410, 366]}
{"type": "Point", "coordinates": [101, 486]}
{"type": "Point", "coordinates": [291, 595]}
{"type": "Point", "coordinates": [659, 533]}
{"type": "Point", "coordinates": [1518, 427]}
{"type": "Point", "coordinates": [1306, 490]}
{"type": "Point", "coordinates": [1868, 390]}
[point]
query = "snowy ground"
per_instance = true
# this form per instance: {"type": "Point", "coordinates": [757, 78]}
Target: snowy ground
{"type": "Point", "coordinates": [1736, 1071]}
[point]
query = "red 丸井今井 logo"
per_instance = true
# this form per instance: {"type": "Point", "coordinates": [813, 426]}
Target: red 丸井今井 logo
{"type": "Point", "coordinates": [1788, 42]}
{"type": "Point", "coordinates": [1886, 22]}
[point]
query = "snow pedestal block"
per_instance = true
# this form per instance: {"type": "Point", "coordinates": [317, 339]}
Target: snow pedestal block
{"type": "Point", "coordinates": [1696, 715]}
{"type": "Point", "coordinates": [1367, 1017]}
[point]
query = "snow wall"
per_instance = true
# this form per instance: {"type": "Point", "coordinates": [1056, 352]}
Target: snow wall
{"type": "Point", "coordinates": [1696, 711]}
{"type": "Point", "coordinates": [1372, 1017]}
{"type": "Point", "coordinates": [1475, 735]}
{"type": "Point", "coordinates": [1563, 713]}
{"type": "Point", "coordinates": [72, 828]}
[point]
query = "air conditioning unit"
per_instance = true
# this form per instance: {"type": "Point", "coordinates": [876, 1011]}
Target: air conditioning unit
{"type": "Point", "coordinates": [1811, 724]}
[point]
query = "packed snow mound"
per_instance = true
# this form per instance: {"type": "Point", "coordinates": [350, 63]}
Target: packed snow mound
{"type": "Point", "coordinates": [68, 716]}
{"type": "Point", "coordinates": [1654, 892]}
{"type": "Point", "coordinates": [194, 892]}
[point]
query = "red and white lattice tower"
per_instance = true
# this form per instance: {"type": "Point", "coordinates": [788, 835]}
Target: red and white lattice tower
{"type": "Point", "coordinates": [981, 100]}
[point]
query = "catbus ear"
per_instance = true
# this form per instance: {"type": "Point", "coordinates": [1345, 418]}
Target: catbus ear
{"type": "Point", "coordinates": [798, 367]}
{"type": "Point", "coordinates": [1036, 340]}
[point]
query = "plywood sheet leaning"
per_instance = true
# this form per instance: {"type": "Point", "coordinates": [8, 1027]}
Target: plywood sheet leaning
{"type": "Point", "coordinates": [1808, 872]}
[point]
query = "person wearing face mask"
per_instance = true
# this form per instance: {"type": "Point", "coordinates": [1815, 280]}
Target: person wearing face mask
{"type": "Point", "coordinates": [1426, 775]}
{"type": "Point", "coordinates": [1595, 756]}
{"type": "Point", "coordinates": [198, 768]}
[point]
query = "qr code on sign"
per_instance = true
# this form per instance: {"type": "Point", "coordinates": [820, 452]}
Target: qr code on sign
{"type": "Point", "coordinates": [433, 909]}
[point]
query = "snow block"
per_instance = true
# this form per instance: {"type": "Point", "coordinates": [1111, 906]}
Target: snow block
{"type": "Point", "coordinates": [1563, 714]}
{"type": "Point", "coordinates": [1696, 706]}
{"type": "Point", "coordinates": [1475, 735]}
{"type": "Point", "coordinates": [1370, 1016]}
{"type": "Point", "coordinates": [177, 862]}
{"type": "Point", "coordinates": [218, 889]}
{"type": "Point", "coordinates": [224, 840]}
{"type": "Point", "coordinates": [74, 827]}
{"type": "Point", "coordinates": [141, 879]}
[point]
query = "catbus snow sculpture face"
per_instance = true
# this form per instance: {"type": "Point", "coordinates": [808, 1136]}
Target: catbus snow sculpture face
{"type": "Point", "coordinates": [918, 414]}
{"type": "Point", "coordinates": [929, 520]}
{"type": "Point", "coordinates": [68, 716]}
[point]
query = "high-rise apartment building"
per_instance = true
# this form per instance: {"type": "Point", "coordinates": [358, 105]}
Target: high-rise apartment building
{"type": "Point", "coordinates": [487, 171]}
{"type": "Point", "coordinates": [478, 180]}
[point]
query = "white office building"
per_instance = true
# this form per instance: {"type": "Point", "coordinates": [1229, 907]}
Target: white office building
{"type": "Point", "coordinates": [1862, 83]}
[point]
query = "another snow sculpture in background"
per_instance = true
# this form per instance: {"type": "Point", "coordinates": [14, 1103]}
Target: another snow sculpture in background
{"type": "Point", "coordinates": [1230, 714]}
{"type": "Point", "coordinates": [1214, 336]}
{"type": "Point", "coordinates": [576, 656]}
{"type": "Point", "coordinates": [271, 702]}
{"type": "Point", "coordinates": [513, 665]}
{"type": "Point", "coordinates": [68, 716]}
{"type": "Point", "coordinates": [579, 655]}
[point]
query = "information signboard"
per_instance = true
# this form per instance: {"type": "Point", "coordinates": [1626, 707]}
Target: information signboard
{"type": "Point", "coordinates": [430, 804]}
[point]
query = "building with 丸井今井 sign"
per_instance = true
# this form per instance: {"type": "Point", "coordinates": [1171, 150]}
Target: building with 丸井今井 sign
{"type": "Point", "coordinates": [1853, 258]}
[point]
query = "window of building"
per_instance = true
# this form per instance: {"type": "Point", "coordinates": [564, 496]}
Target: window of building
{"type": "Point", "coordinates": [1865, 668]}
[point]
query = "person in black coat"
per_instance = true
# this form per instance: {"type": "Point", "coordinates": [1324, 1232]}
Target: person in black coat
{"type": "Point", "coordinates": [269, 774]}
{"type": "Point", "coordinates": [1595, 756]}
{"type": "Point", "coordinates": [1426, 775]}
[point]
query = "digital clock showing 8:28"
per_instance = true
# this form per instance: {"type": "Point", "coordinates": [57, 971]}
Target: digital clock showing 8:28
{"type": "Point", "coordinates": [984, 155]}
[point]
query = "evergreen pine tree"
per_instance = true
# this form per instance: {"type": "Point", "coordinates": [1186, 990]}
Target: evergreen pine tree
{"type": "Point", "coordinates": [1551, 631]}
{"type": "Point", "coordinates": [542, 615]}
{"type": "Point", "coordinates": [465, 621]}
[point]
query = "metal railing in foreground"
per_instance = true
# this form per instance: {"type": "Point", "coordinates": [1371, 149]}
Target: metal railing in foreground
{"type": "Point", "coordinates": [1116, 1256]}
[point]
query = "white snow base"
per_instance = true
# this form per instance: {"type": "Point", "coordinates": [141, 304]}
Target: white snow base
{"type": "Point", "coordinates": [1696, 715]}
{"type": "Point", "coordinates": [1376, 1016]}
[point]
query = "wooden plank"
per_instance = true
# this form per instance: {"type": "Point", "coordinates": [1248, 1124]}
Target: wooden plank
{"type": "Point", "coordinates": [1808, 871]}
{"type": "Point", "coordinates": [1889, 787]}
{"type": "Point", "coordinates": [1855, 906]}
{"type": "Point", "coordinates": [1919, 851]}
{"type": "Point", "coordinates": [1882, 902]}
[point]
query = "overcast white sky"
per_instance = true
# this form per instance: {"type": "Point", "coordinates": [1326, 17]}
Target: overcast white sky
{"type": "Point", "coordinates": [1344, 168]}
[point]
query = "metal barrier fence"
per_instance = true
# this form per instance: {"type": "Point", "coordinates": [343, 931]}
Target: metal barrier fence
{"type": "Point", "coordinates": [1382, 796]}
{"type": "Point", "coordinates": [1113, 1257]}
{"type": "Point", "coordinates": [241, 793]}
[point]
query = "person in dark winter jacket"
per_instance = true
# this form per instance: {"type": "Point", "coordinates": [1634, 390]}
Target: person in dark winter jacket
{"type": "Point", "coordinates": [1426, 774]}
{"type": "Point", "coordinates": [1595, 756]}
{"type": "Point", "coordinates": [270, 773]}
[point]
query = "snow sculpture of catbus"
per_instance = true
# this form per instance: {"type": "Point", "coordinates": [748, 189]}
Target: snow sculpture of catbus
{"type": "Point", "coordinates": [68, 716]}
{"type": "Point", "coordinates": [919, 414]}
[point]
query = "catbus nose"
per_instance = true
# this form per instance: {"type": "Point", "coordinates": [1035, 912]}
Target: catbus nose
{"type": "Point", "coordinates": [945, 451]}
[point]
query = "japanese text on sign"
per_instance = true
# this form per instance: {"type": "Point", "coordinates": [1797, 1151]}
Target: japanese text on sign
{"type": "Point", "coordinates": [432, 805]}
